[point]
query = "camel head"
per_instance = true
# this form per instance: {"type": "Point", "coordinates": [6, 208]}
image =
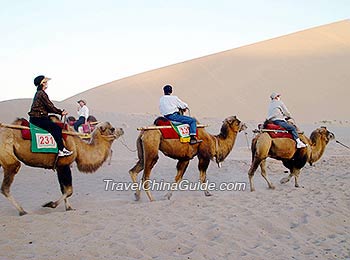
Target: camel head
{"type": "Point", "coordinates": [106, 130]}
{"type": "Point", "coordinates": [321, 134]}
{"type": "Point", "coordinates": [232, 123]}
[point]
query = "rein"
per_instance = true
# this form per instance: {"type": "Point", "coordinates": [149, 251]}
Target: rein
{"type": "Point", "coordinates": [123, 142]}
{"type": "Point", "coordinates": [342, 144]}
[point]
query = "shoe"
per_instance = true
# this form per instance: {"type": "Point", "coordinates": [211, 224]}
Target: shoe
{"type": "Point", "coordinates": [194, 140]}
{"type": "Point", "coordinates": [300, 144]}
{"type": "Point", "coordinates": [64, 152]}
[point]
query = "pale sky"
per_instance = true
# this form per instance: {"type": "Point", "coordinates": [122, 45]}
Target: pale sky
{"type": "Point", "coordinates": [81, 44]}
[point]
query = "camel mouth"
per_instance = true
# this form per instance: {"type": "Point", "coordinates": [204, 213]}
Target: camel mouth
{"type": "Point", "coordinates": [242, 127]}
{"type": "Point", "coordinates": [118, 132]}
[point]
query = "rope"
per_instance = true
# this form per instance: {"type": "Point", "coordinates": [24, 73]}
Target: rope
{"type": "Point", "coordinates": [123, 142]}
{"type": "Point", "coordinates": [342, 144]}
{"type": "Point", "coordinates": [246, 137]}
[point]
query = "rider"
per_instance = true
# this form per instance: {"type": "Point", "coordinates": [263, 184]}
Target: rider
{"type": "Point", "coordinates": [39, 114]}
{"type": "Point", "coordinates": [170, 106]}
{"type": "Point", "coordinates": [83, 113]}
{"type": "Point", "coordinates": [278, 113]}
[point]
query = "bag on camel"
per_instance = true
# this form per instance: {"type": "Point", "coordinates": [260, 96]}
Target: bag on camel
{"type": "Point", "coordinates": [42, 141]}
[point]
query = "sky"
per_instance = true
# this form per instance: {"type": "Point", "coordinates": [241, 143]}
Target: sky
{"type": "Point", "coordinates": [82, 44]}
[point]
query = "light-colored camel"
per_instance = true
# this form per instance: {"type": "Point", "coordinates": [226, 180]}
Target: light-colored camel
{"type": "Point", "coordinates": [212, 146]}
{"type": "Point", "coordinates": [284, 149]}
{"type": "Point", "coordinates": [88, 156]}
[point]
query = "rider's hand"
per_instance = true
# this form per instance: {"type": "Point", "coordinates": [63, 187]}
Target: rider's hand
{"type": "Point", "coordinates": [64, 112]}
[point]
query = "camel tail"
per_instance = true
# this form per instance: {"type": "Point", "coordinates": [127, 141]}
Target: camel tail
{"type": "Point", "coordinates": [253, 148]}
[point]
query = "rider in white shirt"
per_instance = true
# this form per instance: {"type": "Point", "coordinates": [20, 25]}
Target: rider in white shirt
{"type": "Point", "coordinates": [278, 113]}
{"type": "Point", "coordinates": [83, 114]}
{"type": "Point", "coordinates": [170, 106]}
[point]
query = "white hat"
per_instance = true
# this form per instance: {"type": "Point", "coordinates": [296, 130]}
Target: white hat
{"type": "Point", "coordinates": [274, 95]}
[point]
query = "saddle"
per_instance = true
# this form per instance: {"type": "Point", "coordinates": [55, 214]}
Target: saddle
{"type": "Point", "coordinates": [176, 131]}
{"type": "Point", "coordinates": [275, 131]}
{"type": "Point", "coordinates": [87, 128]}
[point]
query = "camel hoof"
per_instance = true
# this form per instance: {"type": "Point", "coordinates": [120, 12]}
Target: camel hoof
{"type": "Point", "coordinates": [284, 180]}
{"type": "Point", "coordinates": [252, 189]}
{"type": "Point", "coordinates": [137, 196]}
{"type": "Point", "coordinates": [297, 186]}
{"type": "Point", "coordinates": [22, 213]}
{"type": "Point", "coordinates": [207, 194]}
{"type": "Point", "coordinates": [50, 204]}
{"type": "Point", "coordinates": [70, 209]}
{"type": "Point", "coordinates": [168, 195]}
{"type": "Point", "coordinates": [272, 187]}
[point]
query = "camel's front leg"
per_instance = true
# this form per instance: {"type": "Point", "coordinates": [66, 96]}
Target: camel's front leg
{"type": "Point", "coordinates": [296, 176]}
{"type": "Point", "coordinates": [64, 175]}
{"type": "Point", "coordinates": [203, 166]}
{"type": "Point", "coordinates": [181, 168]}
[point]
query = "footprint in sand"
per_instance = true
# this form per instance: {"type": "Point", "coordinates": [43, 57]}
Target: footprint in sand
{"type": "Point", "coordinates": [165, 235]}
{"type": "Point", "coordinates": [182, 249]}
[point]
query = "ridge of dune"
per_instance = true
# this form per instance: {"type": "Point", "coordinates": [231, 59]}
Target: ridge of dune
{"type": "Point", "coordinates": [309, 68]}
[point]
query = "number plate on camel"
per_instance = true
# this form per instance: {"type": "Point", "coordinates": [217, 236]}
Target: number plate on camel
{"type": "Point", "coordinates": [42, 141]}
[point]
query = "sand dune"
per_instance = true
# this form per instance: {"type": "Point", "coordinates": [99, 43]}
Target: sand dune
{"type": "Point", "coordinates": [310, 68]}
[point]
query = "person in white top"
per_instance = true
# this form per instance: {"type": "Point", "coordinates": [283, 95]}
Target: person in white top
{"type": "Point", "coordinates": [170, 106]}
{"type": "Point", "coordinates": [83, 114]}
{"type": "Point", "coordinates": [278, 113]}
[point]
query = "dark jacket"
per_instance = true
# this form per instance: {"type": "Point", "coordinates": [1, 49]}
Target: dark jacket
{"type": "Point", "coordinates": [42, 105]}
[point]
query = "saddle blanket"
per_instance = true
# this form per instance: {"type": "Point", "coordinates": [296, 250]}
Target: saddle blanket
{"type": "Point", "coordinates": [177, 131]}
{"type": "Point", "coordinates": [42, 141]}
{"type": "Point", "coordinates": [277, 134]}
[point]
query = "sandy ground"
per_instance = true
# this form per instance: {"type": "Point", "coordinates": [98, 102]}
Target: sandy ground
{"type": "Point", "coordinates": [311, 222]}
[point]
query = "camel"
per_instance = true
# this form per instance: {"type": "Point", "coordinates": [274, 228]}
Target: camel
{"type": "Point", "coordinates": [284, 149]}
{"type": "Point", "coordinates": [213, 146]}
{"type": "Point", "coordinates": [88, 156]}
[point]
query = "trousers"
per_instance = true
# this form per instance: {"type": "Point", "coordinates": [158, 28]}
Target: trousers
{"type": "Point", "coordinates": [184, 119]}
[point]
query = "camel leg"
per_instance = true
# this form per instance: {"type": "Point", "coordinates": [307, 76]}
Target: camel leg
{"type": "Point", "coordinates": [181, 168]}
{"type": "Point", "coordinates": [263, 173]}
{"type": "Point", "coordinates": [9, 174]}
{"type": "Point", "coordinates": [133, 174]}
{"type": "Point", "coordinates": [203, 166]}
{"type": "Point", "coordinates": [255, 164]}
{"type": "Point", "coordinates": [296, 173]}
{"type": "Point", "coordinates": [149, 164]}
{"type": "Point", "coordinates": [64, 175]}
{"type": "Point", "coordinates": [286, 179]}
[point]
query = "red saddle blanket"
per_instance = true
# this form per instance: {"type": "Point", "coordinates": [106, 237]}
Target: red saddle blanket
{"type": "Point", "coordinates": [277, 134]}
{"type": "Point", "coordinates": [26, 132]}
{"type": "Point", "coordinates": [168, 133]}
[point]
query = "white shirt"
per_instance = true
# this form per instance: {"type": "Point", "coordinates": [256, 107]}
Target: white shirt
{"type": "Point", "coordinates": [83, 111]}
{"type": "Point", "coordinates": [277, 110]}
{"type": "Point", "coordinates": [169, 104]}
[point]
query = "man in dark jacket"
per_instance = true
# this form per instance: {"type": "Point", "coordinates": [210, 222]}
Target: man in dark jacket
{"type": "Point", "coordinates": [39, 114]}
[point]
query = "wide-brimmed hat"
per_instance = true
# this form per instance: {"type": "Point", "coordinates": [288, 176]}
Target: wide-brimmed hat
{"type": "Point", "coordinates": [274, 95]}
{"type": "Point", "coordinates": [82, 100]}
{"type": "Point", "coordinates": [40, 80]}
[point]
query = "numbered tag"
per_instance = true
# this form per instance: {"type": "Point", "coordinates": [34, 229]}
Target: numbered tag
{"type": "Point", "coordinates": [45, 141]}
{"type": "Point", "coordinates": [184, 130]}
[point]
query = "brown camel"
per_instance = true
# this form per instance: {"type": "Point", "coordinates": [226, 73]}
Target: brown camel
{"type": "Point", "coordinates": [284, 149]}
{"type": "Point", "coordinates": [88, 156]}
{"type": "Point", "coordinates": [218, 146]}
